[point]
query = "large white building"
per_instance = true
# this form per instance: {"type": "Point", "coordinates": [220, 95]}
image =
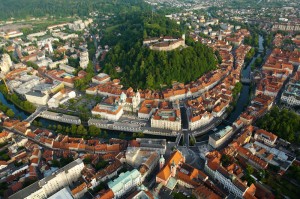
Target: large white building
{"type": "Point", "coordinates": [101, 78]}
{"type": "Point", "coordinates": [230, 182]}
{"type": "Point", "coordinates": [219, 138]}
{"type": "Point", "coordinates": [167, 119]}
{"type": "Point", "coordinates": [109, 109]}
{"type": "Point", "coordinates": [44, 188]}
{"type": "Point", "coordinates": [5, 63]}
{"type": "Point", "coordinates": [55, 64]}
{"type": "Point", "coordinates": [199, 120]}
{"type": "Point", "coordinates": [37, 97]}
{"type": "Point", "coordinates": [61, 97]}
{"type": "Point", "coordinates": [265, 136]}
{"type": "Point", "coordinates": [84, 59]}
{"type": "Point", "coordinates": [67, 68]}
{"type": "Point", "coordinates": [125, 182]}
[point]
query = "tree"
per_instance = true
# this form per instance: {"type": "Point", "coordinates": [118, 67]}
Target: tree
{"type": "Point", "coordinates": [225, 160]}
{"type": "Point", "coordinates": [105, 135]}
{"type": "Point", "coordinates": [59, 128]}
{"type": "Point", "coordinates": [32, 64]}
{"type": "Point", "coordinates": [122, 135]}
{"type": "Point", "coordinates": [81, 130]}
{"type": "Point", "coordinates": [73, 129]}
{"type": "Point", "coordinates": [140, 135]}
{"type": "Point", "coordinates": [101, 164]}
{"type": "Point", "coordinates": [35, 123]}
{"type": "Point", "coordinates": [87, 160]}
{"type": "Point", "coordinates": [10, 113]}
{"type": "Point", "coordinates": [150, 81]}
{"type": "Point", "coordinates": [192, 141]}
{"type": "Point", "coordinates": [94, 131]}
{"type": "Point", "coordinates": [249, 169]}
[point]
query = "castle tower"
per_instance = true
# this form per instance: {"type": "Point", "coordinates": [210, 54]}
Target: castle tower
{"type": "Point", "coordinates": [173, 169]}
{"type": "Point", "coordinates": [161, 162]}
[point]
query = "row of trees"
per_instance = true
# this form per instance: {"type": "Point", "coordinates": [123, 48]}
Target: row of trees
{"type": "Point", "coordinates": [14, 98]}
{"type": "Point", "coordinates": [82, 84]}
{"type": "Point", "coordinates": [78, 130]}
{"type": "Point", "coordinates": [9, 112]}
{"type": "Point", "coordinates": [258, 62]}
{"type": "Point", "coordinates": [282, 122]}
{"type": "Point", "coordinates": [237, 89]}
{"type": "Point", "coordinates": [252, 40]}
{"type": "Point", "coordinates": [249, 55]}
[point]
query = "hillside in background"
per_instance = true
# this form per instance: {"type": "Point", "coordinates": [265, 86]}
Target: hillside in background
{"type": "Point", "coordinates": [62, 8]}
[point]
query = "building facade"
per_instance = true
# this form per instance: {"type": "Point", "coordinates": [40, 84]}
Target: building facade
{"type": "Point", "coordinates": [42, 189]}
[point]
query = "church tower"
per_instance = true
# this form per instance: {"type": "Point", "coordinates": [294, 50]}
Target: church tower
{"type": "Point", "coordinates": [161, 162]}
{"type": "Point", "coordinates": [173, 169]}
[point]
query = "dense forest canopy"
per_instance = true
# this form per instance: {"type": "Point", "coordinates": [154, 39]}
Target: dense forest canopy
{"type": "Point", "coordinates": [62, 8]}
{"type": "Point", "coordinates": [284, 123]}
{"type": "Point", "coordinates": [145, 68]}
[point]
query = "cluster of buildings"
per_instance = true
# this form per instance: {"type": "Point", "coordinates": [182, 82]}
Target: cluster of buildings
{"type": "Point", "coordinates": [214, 103]}
{"type": "Point", "coordinates": [278, 67]}
{"type": "Point", "coordinates": [36, 152]}
{"type": "Point", "coordinates": [267, 16]}
{"type": "Point", "coordinates": [214, 89]}
{"type": "Point", "coordinates": [62, 142]}
{"type": "Point", "coordinates": [291, 94]}
{"type": "Point", "coordinates": [175, 171]}
{"type": "Point", "coordinates": [11, 34]}
{"type": "Point", "coordinates": [252, 146]}
{"type": "Point", "coordinates": [44, 70]}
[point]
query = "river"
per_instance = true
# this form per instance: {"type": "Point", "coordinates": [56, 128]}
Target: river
{"type": "Point", "coordinates": [244, 97]}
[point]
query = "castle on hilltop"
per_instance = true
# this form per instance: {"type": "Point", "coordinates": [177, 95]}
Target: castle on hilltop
{"type": "Point", "coordinates": [166, 43]}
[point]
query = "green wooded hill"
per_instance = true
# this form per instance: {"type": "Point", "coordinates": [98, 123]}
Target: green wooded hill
{"type": "Point", "coordinates": [145, 68]}
{"type": "Point", "coordinates": [39, 8]}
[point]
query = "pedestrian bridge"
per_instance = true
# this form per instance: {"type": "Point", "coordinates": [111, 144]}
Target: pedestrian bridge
{"type": "Point", "coordinates": [36, 114]}
{"type": "Point", "coordinates": [246, 80]}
